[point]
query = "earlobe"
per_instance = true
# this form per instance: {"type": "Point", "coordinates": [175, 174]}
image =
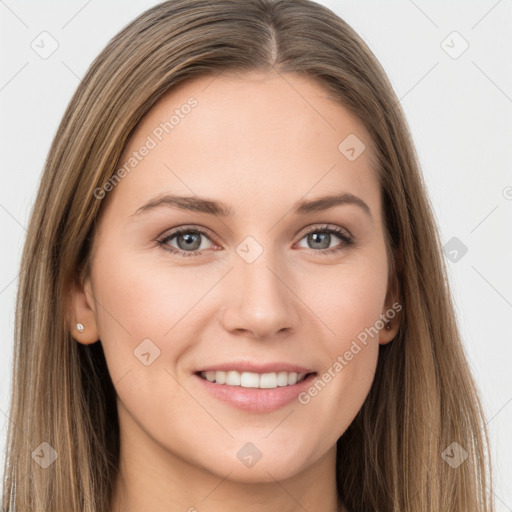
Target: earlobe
{"type": "Point", "coordinates": [82, 314]}
{"type": "Point", "coordinates": [391, 318]}
{"type": "Point", "coordinates": [389, 331]}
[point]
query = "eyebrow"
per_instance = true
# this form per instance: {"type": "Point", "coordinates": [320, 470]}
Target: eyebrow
{"type": "Point", "coordinates": [218, 208]}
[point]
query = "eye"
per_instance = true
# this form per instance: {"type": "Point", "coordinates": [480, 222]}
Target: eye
{"type": "Point", "coordinates": [188, 240]}
{"type": "Point", "coordinates": [321, 237]}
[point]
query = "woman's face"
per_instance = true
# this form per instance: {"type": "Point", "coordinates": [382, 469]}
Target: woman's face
{"type": "Point", "coordinates": [251, 291]}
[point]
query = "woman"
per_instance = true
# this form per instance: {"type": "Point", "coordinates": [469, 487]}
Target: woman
{"type": "Point", "coordinates": [232, 291]}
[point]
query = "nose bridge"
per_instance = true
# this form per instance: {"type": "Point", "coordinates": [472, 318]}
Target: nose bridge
{"type": "Point", "coordinates": [261, 301]}
{"type": "Point", "coordinates": [256, 267]}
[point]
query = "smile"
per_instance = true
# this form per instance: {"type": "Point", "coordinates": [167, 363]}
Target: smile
{"type": "Point", "coordinates": [254, 392]}
{"type": "Point", "coordinates": [270, 380]}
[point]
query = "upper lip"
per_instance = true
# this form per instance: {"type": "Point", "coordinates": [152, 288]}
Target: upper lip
{"type": "Point", "coordinates": [247, 366]}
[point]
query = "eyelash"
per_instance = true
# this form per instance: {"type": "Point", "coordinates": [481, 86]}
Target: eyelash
{"type": "Point", "coordinates": [162, 241]}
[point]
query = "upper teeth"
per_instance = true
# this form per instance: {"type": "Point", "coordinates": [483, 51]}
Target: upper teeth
{"type": "Point", "coordinates": [254, 380]}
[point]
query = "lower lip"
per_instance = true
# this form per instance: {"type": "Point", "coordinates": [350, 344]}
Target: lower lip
{"type": "Point", "coordinates": [256, 399]}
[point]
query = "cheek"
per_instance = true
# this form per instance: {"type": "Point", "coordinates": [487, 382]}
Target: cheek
{"type": "Point", "coordinates": [148, 294]}
{"type": "Point", "coordinates": [348, 299]}
{"type": "Point", "coordinates": [351, 311]}
{"type": "Point", "coordinates": [137, 302]}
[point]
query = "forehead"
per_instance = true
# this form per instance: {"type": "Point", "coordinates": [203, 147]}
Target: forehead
{"type": "Point", "coordinates": [257, 136]}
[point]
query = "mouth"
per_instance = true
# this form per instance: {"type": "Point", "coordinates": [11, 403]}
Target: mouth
{"type": "Point", "coordinates": [270, 380]}
{"type": "Point", "coordinates": [255, 392]}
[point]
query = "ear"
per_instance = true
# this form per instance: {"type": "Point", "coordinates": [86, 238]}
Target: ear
{"type": "Point", "coordinates": [82, 310]}
{"type": "Point", "coordinates": [391, 314]}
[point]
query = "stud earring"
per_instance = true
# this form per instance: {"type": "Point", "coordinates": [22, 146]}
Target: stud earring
{"type": "Point", "coordinates": [388, 326]}
{"type": "Point", "coordinates": [80, 327]}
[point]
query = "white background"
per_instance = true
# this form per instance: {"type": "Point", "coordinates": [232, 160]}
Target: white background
{"type": "Point", "coordinates": [459, 110]}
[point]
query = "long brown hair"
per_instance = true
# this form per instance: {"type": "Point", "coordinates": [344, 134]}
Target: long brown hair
{"type": "Point", "coordinates": [393, 457]}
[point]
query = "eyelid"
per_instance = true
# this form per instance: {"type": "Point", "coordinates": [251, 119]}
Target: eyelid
{"type": "Point", "coordinates": [186, 227]}
{"type": "Point", "coordinates": [302, 232]}
{"type": "Point", "coordinates": [321, 227]}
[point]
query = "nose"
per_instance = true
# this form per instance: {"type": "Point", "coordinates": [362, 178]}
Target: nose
{"type": "Point", "coordinates": [259, 300]}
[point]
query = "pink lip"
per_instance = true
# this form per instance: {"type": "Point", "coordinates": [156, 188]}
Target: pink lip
{"type": "Point", "coordinates": [256, 399]}
{"type": "Point", "coordinates": [247, 366]}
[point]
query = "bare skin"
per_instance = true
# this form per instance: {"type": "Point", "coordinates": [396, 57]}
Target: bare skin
{"type": "Point", "coordinates": [258, 146]}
